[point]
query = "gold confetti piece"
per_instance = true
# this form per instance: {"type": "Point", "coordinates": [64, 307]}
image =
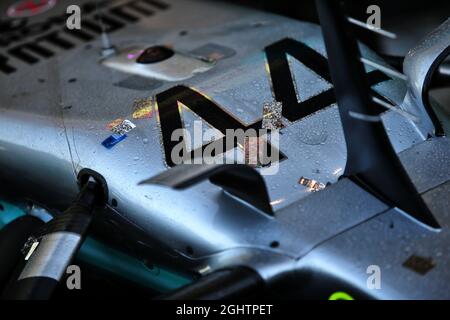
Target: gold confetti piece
{"type": "Point", "coordinates": [114, 123]}
{"type": "Point", "coordinates": [272, 118]}
{"type": "Point", "coordinates": [143, 113]}
{"type": "Point", "coordinates": [313, 185]}
{"type": "Point", "coordinates": [143, 108]}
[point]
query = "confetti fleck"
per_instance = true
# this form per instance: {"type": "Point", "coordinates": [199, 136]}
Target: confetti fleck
{"type": "Point", "coordinates": [143, 113]}
{"type": "Point", "coordinates": [419, 264]}
{"type": "Point", "coordinates": [143, 108]}
{"type": "Point", "coordinates": [112, 140]}
{"type": "Point", "coordinates": [272, 115]}
{"type": "Point", "coordinates": [114, 123]}
{"type": "Point", "coordinates": [124, 127]}
{"type": "Point", "coordinates": [313, 185]}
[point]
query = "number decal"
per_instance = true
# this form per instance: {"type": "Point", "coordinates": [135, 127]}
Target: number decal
{"type": "Point", "coordinates": [284, 91]}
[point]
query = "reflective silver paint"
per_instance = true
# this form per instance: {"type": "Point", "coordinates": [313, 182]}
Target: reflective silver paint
{"type": "Point", "coordinates": [177, 68]}
{"type": "Point", "coordinates": [44, 143]}
{"type": "Point", "coordinates": [420, 64]}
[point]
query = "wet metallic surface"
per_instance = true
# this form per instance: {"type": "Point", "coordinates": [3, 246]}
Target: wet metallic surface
{"type": "Point", "coordinates": [419, 66]}
{"type": "Point", "coordinates": [34, 118]}
{"type": "Point", "coordinates": [50, 130]}
{"type": "Point", "coordinates": [176, 68]}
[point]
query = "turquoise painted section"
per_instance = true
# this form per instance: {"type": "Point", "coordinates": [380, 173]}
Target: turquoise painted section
{"type": "Point", "coordinates": [9, 213]}
{"type": "Point", "coordinates": [130, 268]}
{"type": "Point", "coordinates": [103, 257]}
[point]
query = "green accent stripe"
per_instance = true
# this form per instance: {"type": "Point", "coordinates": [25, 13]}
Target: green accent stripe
{"type": "Point", "coordinates": [118, 263]}
{"type": "Point", "coordinates": [9, 213]}
{"type": "Point", "coordinates": [340, 296]}
{"type": "Point", "coordinates": [106, 258]}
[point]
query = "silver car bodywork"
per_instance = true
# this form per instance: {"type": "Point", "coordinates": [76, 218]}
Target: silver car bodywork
{"type": "Point", "coordinates": [53, 118]}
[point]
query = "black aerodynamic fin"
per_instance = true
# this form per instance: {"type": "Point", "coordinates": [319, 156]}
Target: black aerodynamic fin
{"type": "Point", "coordinates": [371, 159]}
{"type": "Point", "coordinates": [240, 180]}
